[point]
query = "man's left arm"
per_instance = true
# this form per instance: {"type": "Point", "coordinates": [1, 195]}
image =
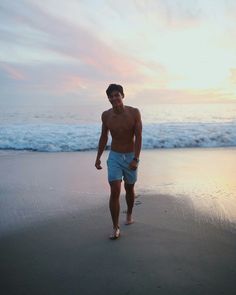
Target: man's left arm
{"type": "Point", "coordinates": [138, 139]}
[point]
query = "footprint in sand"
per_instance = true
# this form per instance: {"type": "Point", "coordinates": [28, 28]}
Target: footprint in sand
{"type": "Point", "coordinates": [138, 203]}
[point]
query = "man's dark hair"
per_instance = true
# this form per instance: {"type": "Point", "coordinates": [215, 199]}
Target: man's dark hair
{"type": "Point", "coordinates": [114, 87]}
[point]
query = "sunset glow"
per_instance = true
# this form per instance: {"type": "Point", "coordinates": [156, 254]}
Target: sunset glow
{"type": "Point", "coordinates": [166, 51]}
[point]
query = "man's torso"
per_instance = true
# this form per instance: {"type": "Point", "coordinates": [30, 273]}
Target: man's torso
{"type": "Point", "coordinates": [122, 128]}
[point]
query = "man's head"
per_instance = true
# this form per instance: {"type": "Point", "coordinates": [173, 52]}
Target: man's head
{"type": "Point", "coordinates": [115, 94]}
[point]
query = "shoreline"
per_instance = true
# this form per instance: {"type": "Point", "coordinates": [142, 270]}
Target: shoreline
{"type": "Point", "coordinates": [24, 151]}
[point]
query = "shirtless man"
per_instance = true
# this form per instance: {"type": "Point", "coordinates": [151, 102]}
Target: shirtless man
{"type": "Point", "coordinates": [125, 126]}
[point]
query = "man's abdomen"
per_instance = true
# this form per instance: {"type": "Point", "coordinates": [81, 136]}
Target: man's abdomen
{"type": "Point", "coordinates": [122, 147]}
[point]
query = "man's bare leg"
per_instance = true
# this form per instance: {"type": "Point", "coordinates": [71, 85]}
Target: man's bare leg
{"type": "Point", "coordinates": [130, 195]}
{"type": "Point", "coordinates": [114, 202]}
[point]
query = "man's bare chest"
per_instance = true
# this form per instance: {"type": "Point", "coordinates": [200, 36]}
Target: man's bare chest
{"type": "Point", "coordinates": [122, 122]}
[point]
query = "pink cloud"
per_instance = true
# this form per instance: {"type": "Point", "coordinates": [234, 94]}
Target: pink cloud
{"type": "Point", "coordinates": [87, 60]}
{"type": "Point", "coordinates": [73, 41]}
{"type": "Point", "coordinates": [12, 72]}
{"type": "Point", "coordinates": [77, 44]}
{"type": "Point", "coordinates": [153, 96]}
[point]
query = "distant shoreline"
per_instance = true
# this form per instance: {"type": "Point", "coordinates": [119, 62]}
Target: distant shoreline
{"type": "Point", "coordinates": [25, 151]}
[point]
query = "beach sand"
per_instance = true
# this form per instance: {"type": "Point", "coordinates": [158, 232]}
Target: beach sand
{"type": "Point", "coordinates": [54, 225]}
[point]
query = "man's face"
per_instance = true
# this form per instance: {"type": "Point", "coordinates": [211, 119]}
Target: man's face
{"type": "Point", "coordinates": [115, 98]}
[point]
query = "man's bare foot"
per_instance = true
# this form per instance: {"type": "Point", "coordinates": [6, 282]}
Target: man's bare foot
{"type": "Point", "coordinates": [129, 219]}
{"type": "Point", "coordinates": [115, 234]}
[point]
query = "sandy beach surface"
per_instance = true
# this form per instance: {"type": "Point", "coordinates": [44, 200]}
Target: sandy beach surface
{"type": "Point", "coordinates": [54, 225]}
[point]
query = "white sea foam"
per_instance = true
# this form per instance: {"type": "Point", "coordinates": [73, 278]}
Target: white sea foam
{"type": "Point", "coordinates": [71, 137]}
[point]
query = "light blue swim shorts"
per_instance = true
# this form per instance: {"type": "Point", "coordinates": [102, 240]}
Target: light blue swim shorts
{"type": "Point", "coordinates": [118, 167]}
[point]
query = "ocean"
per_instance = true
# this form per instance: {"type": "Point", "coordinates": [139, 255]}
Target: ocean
{"type": "Point", "coordinates": [77, 128]}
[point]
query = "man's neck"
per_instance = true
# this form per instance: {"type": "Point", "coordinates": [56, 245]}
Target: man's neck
{"type": "Point", "coordinates": [119, 109]}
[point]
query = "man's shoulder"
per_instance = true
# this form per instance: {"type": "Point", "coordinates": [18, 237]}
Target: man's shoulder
{"type": "Point", "coordinates": [133, 110]}
{"type": "Point", "coordinates": [106, 113]}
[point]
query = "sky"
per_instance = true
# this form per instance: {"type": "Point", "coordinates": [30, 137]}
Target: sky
{"type": "Point", "coordinates": [67, 52]}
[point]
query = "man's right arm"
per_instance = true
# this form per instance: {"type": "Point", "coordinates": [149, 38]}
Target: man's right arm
{"type": "Point", "coordinates": [102, 142]}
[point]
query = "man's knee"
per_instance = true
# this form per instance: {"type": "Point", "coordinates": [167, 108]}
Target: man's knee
{"type": "Point", "coordinates": [115, 188]}
{"type": "Point", "coordinates": [129, 188]}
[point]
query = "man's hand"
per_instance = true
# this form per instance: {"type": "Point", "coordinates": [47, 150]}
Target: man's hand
{"type": "Point", "coordinates": [98, 164]}
{"type": "Point", "coordinates": [133, 165]}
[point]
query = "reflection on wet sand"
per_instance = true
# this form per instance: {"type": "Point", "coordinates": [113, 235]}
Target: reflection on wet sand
{"type": "Point", "coordinates": [205, 176]}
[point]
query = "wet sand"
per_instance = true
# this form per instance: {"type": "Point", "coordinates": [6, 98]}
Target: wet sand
{"type": "Point", "coordinates": [55, 224]}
